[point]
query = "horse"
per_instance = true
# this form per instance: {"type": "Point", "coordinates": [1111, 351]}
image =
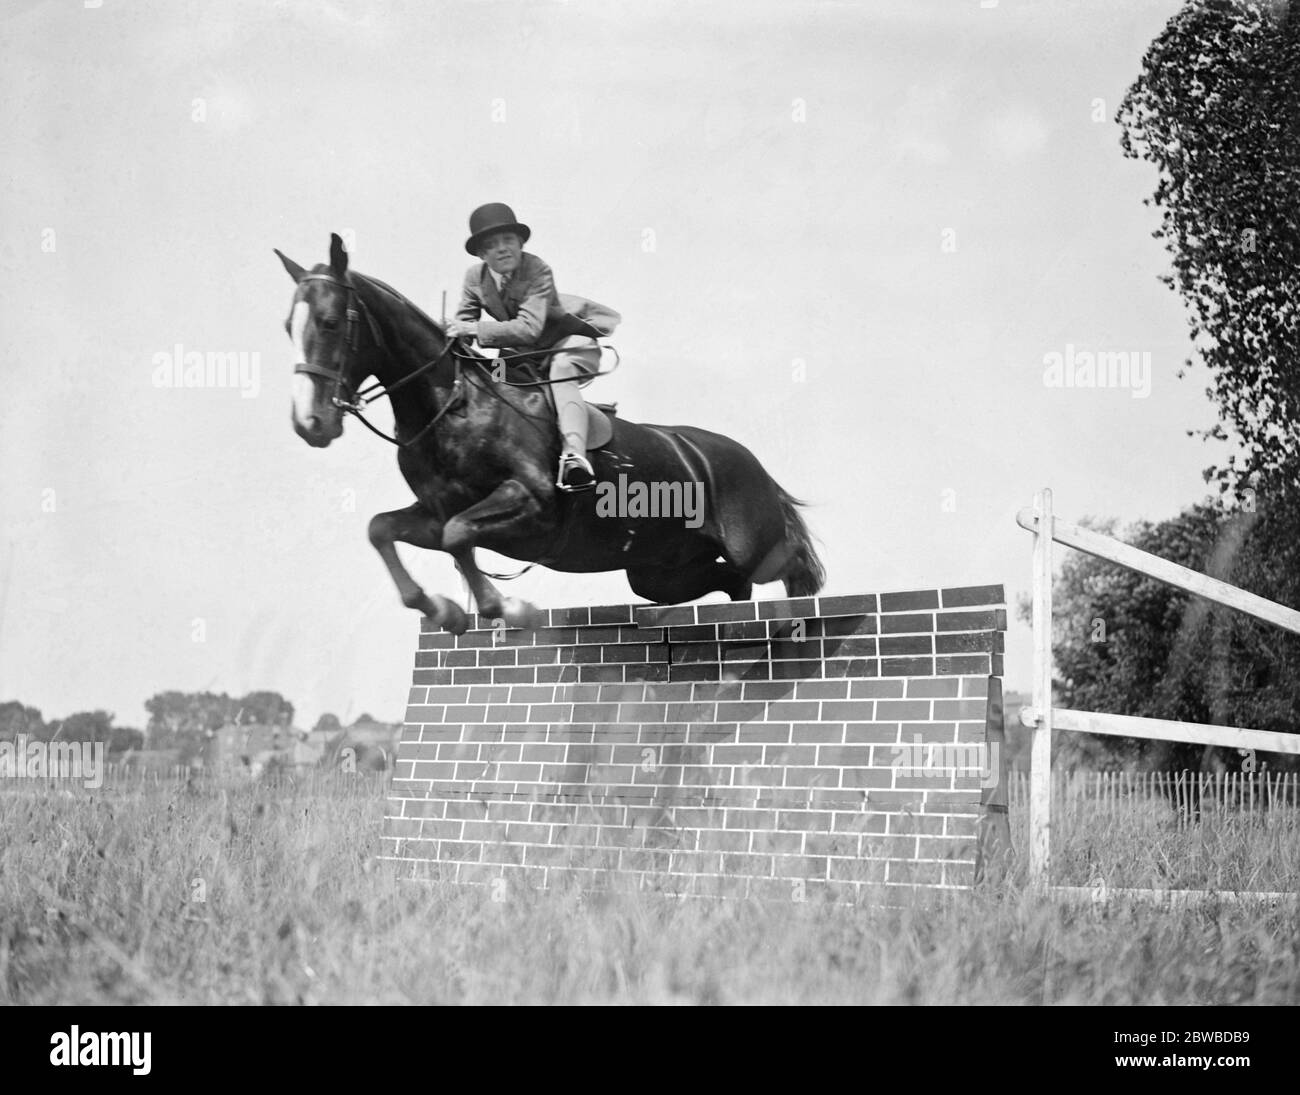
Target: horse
{"type": "Point", "coordinates": [478, 450]}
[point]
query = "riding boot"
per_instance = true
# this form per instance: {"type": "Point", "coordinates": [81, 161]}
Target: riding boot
{"type": "Point", "coordinates": [575, 470]}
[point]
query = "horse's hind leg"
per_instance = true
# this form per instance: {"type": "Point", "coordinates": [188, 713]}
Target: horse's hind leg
{"type": "Point", "coordinates": [414, 525]}
{"type": "Point", "coordinates": [674, 584]}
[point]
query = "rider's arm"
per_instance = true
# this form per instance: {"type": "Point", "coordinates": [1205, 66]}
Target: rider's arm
{"type": "Point", "coordinates": [525, 328]}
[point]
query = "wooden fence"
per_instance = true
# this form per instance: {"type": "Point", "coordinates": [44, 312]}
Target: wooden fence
{"type": "Point", "coordinates": [1110, 794]}
{"type": "Point", "coordinates": [1044, 718]}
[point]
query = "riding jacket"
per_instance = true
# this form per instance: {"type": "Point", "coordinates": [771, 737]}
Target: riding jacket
{"type": "Point", "coordinates": [529, 313]}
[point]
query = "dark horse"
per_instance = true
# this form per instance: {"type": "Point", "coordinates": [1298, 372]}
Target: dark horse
{"type": "Point", "coordinates": [479, 455]}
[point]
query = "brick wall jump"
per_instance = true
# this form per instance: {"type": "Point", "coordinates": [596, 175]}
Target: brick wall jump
{"type": "Point", "coordinates": [789, 747]}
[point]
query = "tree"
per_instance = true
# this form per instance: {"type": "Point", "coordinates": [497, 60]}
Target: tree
{"type": "Point", "coordinates": [87, 726]}
{"type": "Point", "coordinates": [327, 724]}
{"type": "Point", "coordinates": [176, 717]}
{"type": "Point", "coordinates": [1217, 110]}
{"type": "Point", "coordinates": [267, 709]}
{"type": "Point", "coordinates": [124, 738]}
{"type": "Point", "coordinates": [17, 718]}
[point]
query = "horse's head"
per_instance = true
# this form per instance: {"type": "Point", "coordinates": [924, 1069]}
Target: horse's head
{"type": "Point", "coordinates": [324, 327]}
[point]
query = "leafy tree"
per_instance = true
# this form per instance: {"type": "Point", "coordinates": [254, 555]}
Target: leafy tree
{"type": "Point", "coordinates": [123, 738]}
{"type": "Point", "coordinates": [327, 724]}
{"type": "Point", "coordinates": [1217, 110]}
{"type": "Point", "coordinates": [17, 718]}
{"type": "Point", "coordinates": [266, 708]}
{"type": "Point", "coordinates": [174, 716]}
{"type": "Point", "coordinates": [87, 726]}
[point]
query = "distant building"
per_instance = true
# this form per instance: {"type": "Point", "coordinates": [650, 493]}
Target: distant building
{"type": "Point", "coordinates": [249, 748]}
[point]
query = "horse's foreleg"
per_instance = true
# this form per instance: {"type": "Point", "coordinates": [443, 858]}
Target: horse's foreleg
{"type": "Point", "coordinates": [508, 511]}
{"type": "Point", "coordinates": [415, 525]}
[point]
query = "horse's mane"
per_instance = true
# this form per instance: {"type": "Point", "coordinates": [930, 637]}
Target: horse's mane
{"type": "Point", "coordinates": [417, 311]}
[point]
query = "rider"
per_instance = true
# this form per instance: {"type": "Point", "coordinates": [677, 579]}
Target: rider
{"type": "Point", "coordinates": [517, 290]}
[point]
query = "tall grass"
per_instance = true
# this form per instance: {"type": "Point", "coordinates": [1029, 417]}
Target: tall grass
{"type": "Point", "coordinates": [270, 892]}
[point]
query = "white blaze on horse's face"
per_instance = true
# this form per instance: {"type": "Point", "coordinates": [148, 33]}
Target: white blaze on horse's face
{"type": "Point", "coordinates": [304, 390]}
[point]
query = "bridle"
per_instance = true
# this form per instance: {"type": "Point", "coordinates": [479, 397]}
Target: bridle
{"type": "Point", "coordinates": [354, 310]}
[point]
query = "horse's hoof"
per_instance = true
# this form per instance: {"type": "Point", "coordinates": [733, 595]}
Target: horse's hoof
{"type": "Point", "coordinates": [446, 614]}
{"type": "Point", "coordinates": [519, 613]}
{"type": "Point", "coordinates": [454, 619]}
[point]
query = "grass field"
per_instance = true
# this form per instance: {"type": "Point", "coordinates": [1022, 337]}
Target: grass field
{"type": "Point", "coordinates": [263, 893]}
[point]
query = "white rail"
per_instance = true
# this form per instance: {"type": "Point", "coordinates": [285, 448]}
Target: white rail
{"type": "Point", "coordinates": [1044, 718]}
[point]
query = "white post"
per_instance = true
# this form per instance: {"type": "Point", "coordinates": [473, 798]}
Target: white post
{"type": "Point", "coordinates": [1040, 753]}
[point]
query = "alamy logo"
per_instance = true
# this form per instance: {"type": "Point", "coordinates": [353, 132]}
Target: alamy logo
{"type": "Point", "coordinates": [88, 1047]}
{"type": "Point", "coordinates": [181, 368]}
{"type": "Point", "coordinates": [654, 499]}
{"type": "Point", "coordinates": [1103, 369]}
{"type": "Point", "coordinates": [25, 759]}
{"type": "Point", "coordinates": [943, 759]}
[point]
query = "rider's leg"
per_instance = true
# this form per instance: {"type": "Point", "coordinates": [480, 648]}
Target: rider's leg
{"type": "Point", "coordinates": [578, 359]}
{"type": "Point", "coordinates": [569, 406]}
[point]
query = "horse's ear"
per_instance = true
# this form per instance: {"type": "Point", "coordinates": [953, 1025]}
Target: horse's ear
{"type": "Point", "coordinates": [338, 257]}
{"type": "Point", "coordinates": [295, 271]}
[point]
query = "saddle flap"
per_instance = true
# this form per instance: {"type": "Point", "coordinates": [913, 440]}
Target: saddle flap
{"type": "Point", "coordinates": [600, 424]}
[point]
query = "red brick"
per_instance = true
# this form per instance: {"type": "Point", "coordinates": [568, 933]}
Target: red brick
{"type": "Point", "coordinates": [832, 844]}
{"type": "Point", "coordinates": [487, 732]}
{"type": "Point", "coordinates": [861, 733]}
{"type": "Point", "coordinates": [804, 820]}
{"type": "Point", "coordinates": [789, 608]}
{"type": "Point", "coordinates": [553, 752]}
{"type": "Point", "coordinates": [817, 733]}
{"type": "Point", "coordinates": [777, 733]}
{"type": "Point", "coordinates": [958, 665]}
{"type": "Point", "coordinates": [933, 687]}
{"type": "Point", "coordinates": [945, 848]}
{"type": "Point", "coordinates": [821, 690]}
{"type": "Point", "coordinates": [906, 871]}
{"type": "Point", "coordinates": [873, 778]}
{"type": "Point", "coordinates": [926, 732]}
{"type": "Point", "coordinates": [844, 754]}
{"type": "Point", "coordinates": [881, 689]}
{"type": "Point", "coordinates": [789, 754]}
{"type": "Point", "coordinates": [862, 822]}
{"type": "Point", "coordinates": [593, 753]}
{"type": "Point", "coordinates": [959, 709]}
{"type": "Point", "coordinates": [777, 841]}
{"type": "Point", "coordinates": [737, 754]}
{"type": "Point", "coordinates": [993, 619]}
{"type": "Point", "coordinates": [467, 851]}
{"type": "Point", "coordinates": [741, 863]}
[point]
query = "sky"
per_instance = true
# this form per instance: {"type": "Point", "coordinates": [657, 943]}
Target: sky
{"type": "Point", "coordinates": [851, 235]}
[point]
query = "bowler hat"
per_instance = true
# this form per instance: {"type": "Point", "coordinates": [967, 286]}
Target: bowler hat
{"type": "Point", "coordinates": [493, 217]}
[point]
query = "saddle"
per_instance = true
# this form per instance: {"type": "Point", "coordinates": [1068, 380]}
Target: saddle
{"type": "Point", "coordinates": [600, 424]}
{"type": "Point", "coordinates": [600, 416]}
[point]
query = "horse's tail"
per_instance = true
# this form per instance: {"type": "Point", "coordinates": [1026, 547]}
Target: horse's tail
{"type": "Point", "coordinates": [804, 574]}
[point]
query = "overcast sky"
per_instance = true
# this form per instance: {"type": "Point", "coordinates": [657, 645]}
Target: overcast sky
{"type": "Point", "coordinates": [919, 201]}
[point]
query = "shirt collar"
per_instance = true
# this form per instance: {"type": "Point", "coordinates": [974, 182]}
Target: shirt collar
{"type": "Point", "coordinates": [497, 279]}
